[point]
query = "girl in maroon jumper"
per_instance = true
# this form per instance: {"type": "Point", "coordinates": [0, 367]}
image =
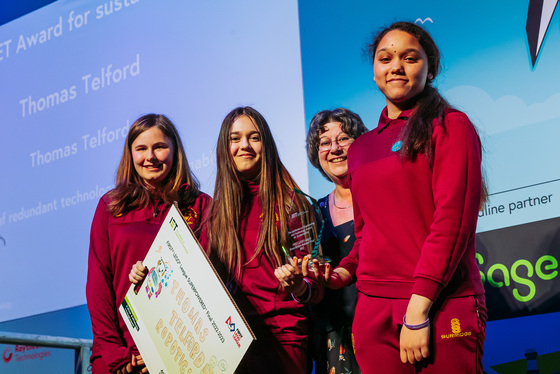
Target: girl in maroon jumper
{"type": "Point", "coordinates": [254, 210]}
{"type": "Point", "coordinates": [417, 187]}
{"type": "Point", "coordinates": [152, 174]}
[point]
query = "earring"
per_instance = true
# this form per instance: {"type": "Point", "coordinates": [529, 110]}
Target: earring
{"type": "Point", "coordinates": [430, 76]}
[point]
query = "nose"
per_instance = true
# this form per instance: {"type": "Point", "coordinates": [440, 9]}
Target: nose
{"type": "Point", "coordinates": [151, 154]}
{"type": "Point", "coordinates": [396, 66]}
{"type": "Point", "coordinates": [335, 147]}
{"type": "Point", "coordinates": [245, 143]}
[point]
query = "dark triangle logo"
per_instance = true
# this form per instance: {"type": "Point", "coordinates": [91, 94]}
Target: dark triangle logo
{"type": "Point", "coordinates": [538, 20]}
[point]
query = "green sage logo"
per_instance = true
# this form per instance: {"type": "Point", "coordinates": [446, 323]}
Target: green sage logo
{"type": "Point", "coordinates": [521, 273]}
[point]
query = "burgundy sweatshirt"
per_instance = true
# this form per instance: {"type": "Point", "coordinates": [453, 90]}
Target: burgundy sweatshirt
{"type": "Point", "coordinates": [271, 312]}
{"type": "Point", "coordinates": [415, 221]}
{"type": "Point", "coordinates": [116, 243]}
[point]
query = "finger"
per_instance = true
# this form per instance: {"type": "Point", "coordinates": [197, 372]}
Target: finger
{"type": "Point", "coordinates": [425, 351]}
{"type": "Point", "coordinates": [404, 357]}
{"type": "Point", "coordinates": [304, 266]}
{"type": "Point", "coordinates": [410, 356]}
{"type": "Point", "coordinates": [287, 271]}
{"type": "Point", "coordinates": [279, 275]}
{"type": "Point", "coordinates": [328, 272]}
{"type": "Point", "coordinates": [418, 355]}
{"type": "Point", "coordinates": [317, 270]}
{"type": "Point", "coordinates": [295, 265]}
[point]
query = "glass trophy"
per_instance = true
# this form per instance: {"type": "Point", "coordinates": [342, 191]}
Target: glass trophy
{"type": "Point", "coordinates": [307, 235]}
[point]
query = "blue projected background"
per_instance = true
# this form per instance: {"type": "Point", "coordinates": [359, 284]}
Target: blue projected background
{"type": "Point", "coordinates": [76, 73]}
{"type": "Point", "coordinates": [488, 73]}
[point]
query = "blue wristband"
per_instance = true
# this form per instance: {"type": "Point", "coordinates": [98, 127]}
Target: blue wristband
{"type": "Point", "coordinates": [419, 326]}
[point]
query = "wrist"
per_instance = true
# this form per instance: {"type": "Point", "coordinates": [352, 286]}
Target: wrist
{"type": "Point", "coordinates": [417, 326]}
{"type": "Point", "coordinates": [304, 292]}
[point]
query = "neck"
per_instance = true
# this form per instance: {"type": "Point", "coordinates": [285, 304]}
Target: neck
{"type": "Point", "coordinates": [342, 198]}
{"type": "Point", "coordinates": [395, 109]}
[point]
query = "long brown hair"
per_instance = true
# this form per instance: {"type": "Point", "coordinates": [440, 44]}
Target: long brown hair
{"type": "Point", "coordinates": [131, 191]}
{"type": "Point", "coordinates": [429, 105]}
{"type": "Point", "coordinates": [276, 194]}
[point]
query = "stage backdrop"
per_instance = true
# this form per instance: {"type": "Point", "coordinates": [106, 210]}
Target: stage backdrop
{"type": "Point", "coordinates": [500, 66]}
{"type": "Point", "coordinates": [74, 76]}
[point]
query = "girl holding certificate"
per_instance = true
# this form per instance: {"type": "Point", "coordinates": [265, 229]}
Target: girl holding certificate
{"type": "Point", "coordinates": [257, 224]}
{"type": "Point", "coordinates": [417, 188]}
{"type": "Point", "coordinates": [254, 212]}
{"type": "Point", "coordinates": [152, 174]}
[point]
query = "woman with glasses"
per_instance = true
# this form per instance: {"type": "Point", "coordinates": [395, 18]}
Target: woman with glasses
{"type": "Point", "coordinates": [331, 133]}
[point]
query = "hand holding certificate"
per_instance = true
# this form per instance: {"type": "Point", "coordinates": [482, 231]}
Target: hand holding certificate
{"type": "Point", "coordinates": [182, 318]}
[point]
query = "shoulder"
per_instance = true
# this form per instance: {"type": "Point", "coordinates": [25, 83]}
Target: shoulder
{"type": "Point", "coordinates": [454, 117]}
{"type": "Point", "coordinates": [455, 122]}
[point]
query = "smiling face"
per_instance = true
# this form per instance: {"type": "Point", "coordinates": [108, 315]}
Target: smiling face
{"type": "Point", "coordinates": [152, 153]}
{"type": "Point", "coordinates": [245, 147]}
{"type": "Point", "coordinates": [333, 159]}
{"type": "Point", "coordinates": [400, 70]}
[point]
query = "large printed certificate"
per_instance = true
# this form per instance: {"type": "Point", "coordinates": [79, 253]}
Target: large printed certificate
{"type": "Point", "coordinates": [182, 318]}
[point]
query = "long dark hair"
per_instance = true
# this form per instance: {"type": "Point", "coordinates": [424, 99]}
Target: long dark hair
{"type": "Point", "coordinates": [131, 191]}
{"type": "Point", "coordinates": [429, 104]}
{"type": "Point", "coordinates": [276, 194]}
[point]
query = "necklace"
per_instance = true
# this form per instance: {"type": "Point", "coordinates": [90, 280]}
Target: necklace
{"type": "Point", "coordinates": [339, 207]}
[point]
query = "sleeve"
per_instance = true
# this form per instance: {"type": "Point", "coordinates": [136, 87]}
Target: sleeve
{"type": "Point", "coordinates": [456, 189]}
{"type": "Point", "coordinates": [101, 295]}
{"type": "Point", "coordinates": [202, 207]}
{"type": "Point", "coordinates": [350, 262]}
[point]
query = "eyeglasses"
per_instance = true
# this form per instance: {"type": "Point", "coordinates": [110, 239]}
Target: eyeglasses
{"type": "Point", "coordinates": [342, 140]}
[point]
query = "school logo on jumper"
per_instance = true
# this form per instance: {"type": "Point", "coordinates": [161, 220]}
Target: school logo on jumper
{"type": "Point", "coordinates": [456, 331]}
{"type": "Point", "coordinates": [190, 216]}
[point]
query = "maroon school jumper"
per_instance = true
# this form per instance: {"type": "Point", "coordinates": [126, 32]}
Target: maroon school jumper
{"type": "Point", "coordinates": [278, 321]}
{"type": "Point", "coordinates": [415, 225]}
{"type": "Point", "coordinates": [116, 243]}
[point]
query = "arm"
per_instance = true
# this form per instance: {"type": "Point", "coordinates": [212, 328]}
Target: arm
{"type": "Point", "coordinates": [456, 186]}
{"type": "Point", "coordinates": [456, 189]}
{"type": "Point", "coordinates": [101, 296]}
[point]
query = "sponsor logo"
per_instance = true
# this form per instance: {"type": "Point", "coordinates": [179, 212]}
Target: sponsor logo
{"type": "Point", "coordinates": [237, 336]}
{"type": "Point", "coordinates": [130, 314]}
{"type": "Point", "coordinates": [173, 224]}
{"type": "Point", "coordinates": [7, 356]}
{"type": "Point", "coordinates": [24, 353]}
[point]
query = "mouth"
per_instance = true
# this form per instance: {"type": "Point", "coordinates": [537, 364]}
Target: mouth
{"type": "Point", "coordinates": [338, 159]}
{"type": "Point", "coordinates": [397, 80]}
{"type": "Point", "coordinates": [152, 167]}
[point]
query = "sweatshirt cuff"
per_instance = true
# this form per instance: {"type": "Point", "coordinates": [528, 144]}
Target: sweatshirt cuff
{"type": "Point", "coordinates": [308, 292]}
{"type": "Point", "coordinates": [116, 358]}
{"type": "Point", "coordinates": [427, 288]}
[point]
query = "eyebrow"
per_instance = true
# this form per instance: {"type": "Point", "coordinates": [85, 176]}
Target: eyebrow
{"type": "Point", "coordinates": [250, 133]}
{"type": "Point", "coordinates": [405, 51]}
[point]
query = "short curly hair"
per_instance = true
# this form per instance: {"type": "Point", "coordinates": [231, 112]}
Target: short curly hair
{"type": "Point", "coordinates": [351, 124]}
